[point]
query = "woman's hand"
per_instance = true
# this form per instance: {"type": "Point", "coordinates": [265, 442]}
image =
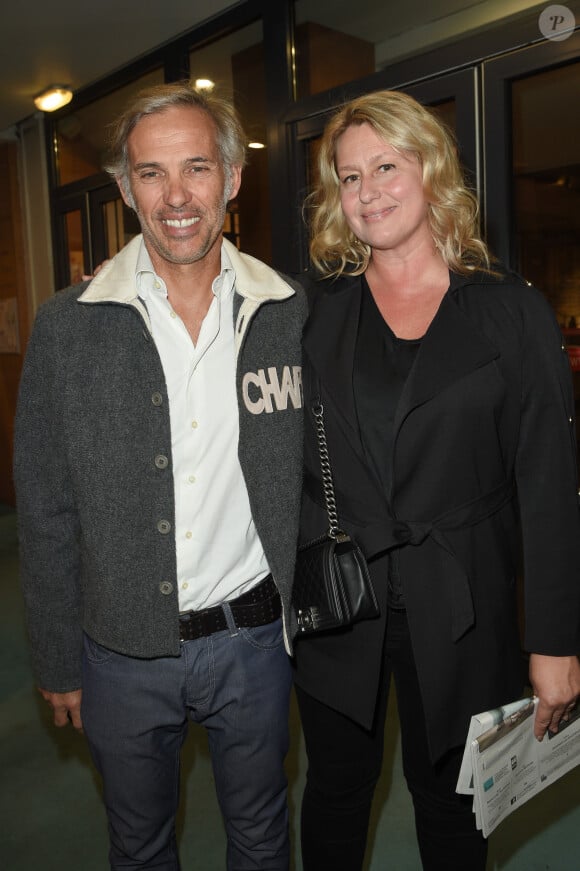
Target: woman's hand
{"type": "Point", "coordinates": [556, 682]}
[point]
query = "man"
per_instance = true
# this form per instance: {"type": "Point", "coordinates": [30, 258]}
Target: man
{"type": "Point", "coordinates": [158, 470]}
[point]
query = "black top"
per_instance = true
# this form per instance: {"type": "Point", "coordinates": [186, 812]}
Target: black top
{"type": "Point", "coordinates": [381, 367]}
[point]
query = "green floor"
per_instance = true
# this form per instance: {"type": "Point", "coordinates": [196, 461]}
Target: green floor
{"type": "Point", "coordinates": [52, 818]}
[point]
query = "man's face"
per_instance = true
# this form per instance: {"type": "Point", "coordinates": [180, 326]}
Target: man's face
{"type": "Point", "coordinates": [178, 186]}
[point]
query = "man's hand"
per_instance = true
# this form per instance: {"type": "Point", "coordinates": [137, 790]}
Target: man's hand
{"type": "Point", "coordinates": [556, 682]}
{"type": "Point", "coordinates": [66, 706]}
{"type": "Point", "coordinates": [95, 271]}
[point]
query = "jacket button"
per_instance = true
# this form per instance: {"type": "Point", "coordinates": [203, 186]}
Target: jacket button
{"type": "Point", "coordinates": [157, 398]}
{"type": "Point", "coordinates": [165, 588]}
{"type": "Point", "coordinates": [164, 526]}
{"type": "Point", "coordinates": [161, 461]}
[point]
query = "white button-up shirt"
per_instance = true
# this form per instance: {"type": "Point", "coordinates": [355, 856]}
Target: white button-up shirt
{"type": "Point", "coordinates": [219, 553]}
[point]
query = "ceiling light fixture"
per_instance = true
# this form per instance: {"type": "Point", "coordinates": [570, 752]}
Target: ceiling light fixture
{"type": "Point", "coordinates": [53, 98]}
{"type": "Point", "coordinates": [256, 145]}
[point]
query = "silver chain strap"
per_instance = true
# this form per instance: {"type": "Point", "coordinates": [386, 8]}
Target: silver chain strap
{"type": "Point", "coordinates": [334, 530]}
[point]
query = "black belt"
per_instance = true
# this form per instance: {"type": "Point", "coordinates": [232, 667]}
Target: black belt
{"type": "Point", "coordinates": [258, 606]}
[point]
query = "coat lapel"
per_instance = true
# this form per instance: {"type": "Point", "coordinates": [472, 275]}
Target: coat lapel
{"type": "Point", "coordinates": [330, 341]}
{"type": "Point", "coordinates": [451, 349]}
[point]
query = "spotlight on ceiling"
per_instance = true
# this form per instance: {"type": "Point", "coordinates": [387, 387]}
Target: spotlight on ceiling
{"type": "Point", "coordinates": [53, 98]}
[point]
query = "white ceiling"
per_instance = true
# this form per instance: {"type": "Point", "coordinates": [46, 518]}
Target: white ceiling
{"type": "Point", "coordinates": [75, 43]}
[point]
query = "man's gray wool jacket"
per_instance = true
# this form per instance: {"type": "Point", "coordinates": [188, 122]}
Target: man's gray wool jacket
{"type": "Point", "coordinates": [93, 468]}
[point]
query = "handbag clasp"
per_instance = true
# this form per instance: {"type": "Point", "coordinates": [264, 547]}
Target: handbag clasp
{"type": "Point", "coordinates": [307, 619]}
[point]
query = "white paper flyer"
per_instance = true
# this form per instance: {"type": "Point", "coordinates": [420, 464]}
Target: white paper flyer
{"type": "Point", "coordinates": [504, 765]}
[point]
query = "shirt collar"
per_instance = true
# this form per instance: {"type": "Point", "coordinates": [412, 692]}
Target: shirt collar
{"type": "Point", "coordinates": [148, 282]}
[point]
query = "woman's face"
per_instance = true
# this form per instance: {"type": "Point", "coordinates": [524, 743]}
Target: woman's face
{"type": "Point", "coordinates": [381, 192]}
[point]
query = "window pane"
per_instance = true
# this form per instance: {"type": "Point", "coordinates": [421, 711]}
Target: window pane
{"type": "Point", "coordinates": [74, 245]}
{"type": "Point", "coordinates": [337, 42]}
{"type": "Point", "coordinates": [447, 113]}
{"type": "Point", "coordinates": [327, 57]}
{"type": "Point", "coordinates": [121, 225]}
{"type": "Point", "coordinates": [236, 65]}
{"type": "Point", "coordinates": [81, 134]}
{"type": "Point", "coordinates": [546, 170]}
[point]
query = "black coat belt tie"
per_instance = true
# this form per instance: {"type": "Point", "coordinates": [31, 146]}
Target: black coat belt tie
{"type": "Point", "coordinates": [390, 532]}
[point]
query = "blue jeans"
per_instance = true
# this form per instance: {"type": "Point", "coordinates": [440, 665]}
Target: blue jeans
{"type": "Point", "coordinates": [236, 684]}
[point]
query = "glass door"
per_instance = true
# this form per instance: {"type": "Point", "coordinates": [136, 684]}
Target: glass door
{"type": "Point", "coordinates": [72, 230]}
{"type": "Point", "coordinates": [92, 226]}
{"type": "Point", "coordinates": [532, 149]}
{"type": "Point", "coordinates": [113, 223]}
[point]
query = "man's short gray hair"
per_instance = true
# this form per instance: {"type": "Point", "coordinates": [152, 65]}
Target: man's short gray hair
{"type": "Point", "coordinates": [231, 140]}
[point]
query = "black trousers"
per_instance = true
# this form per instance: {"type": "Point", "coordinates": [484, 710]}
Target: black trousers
{"type": "Point", "coordinates": [344, 764]}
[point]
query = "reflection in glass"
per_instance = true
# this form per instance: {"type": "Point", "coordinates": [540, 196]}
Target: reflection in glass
{"type": "Point", "coordinates": [235, 64]}
{"type": "Point", "coordinates": [326, 57]}
{"type": "Point", "coordinates": [446, 111]}
{"type": "Point", "coordinates": [81, 134]}
{"type": "Point", "coordinates": [546, 202]}
{"type": "Point", "coordinates": [74, 245]}
{"type": "Point", "coordinates": [120, 224]}
{"type": "Point", "coordinates": [337, 42]}
{"type": "Point", "coordinates": [546, 170]}
{"type": "Point", "coordinates": [113, 223]}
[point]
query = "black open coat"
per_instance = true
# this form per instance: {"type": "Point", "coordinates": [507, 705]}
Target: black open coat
{"type": "Point", "coordinates": [483, 471]}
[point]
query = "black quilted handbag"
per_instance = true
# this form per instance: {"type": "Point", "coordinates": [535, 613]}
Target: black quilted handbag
{"type": "Point", "coordinates": [332, 584]}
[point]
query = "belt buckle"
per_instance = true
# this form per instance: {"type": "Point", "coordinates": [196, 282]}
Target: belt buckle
{"type": "Point", "coordinates": [185, 621]}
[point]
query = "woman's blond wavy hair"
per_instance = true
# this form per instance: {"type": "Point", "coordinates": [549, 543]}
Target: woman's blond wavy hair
{"type": "Point", "coordinates": [408, 127]}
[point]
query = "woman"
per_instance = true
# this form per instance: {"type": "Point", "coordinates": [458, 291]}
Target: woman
{"type": "Point", "coordinates": [449, 418]}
